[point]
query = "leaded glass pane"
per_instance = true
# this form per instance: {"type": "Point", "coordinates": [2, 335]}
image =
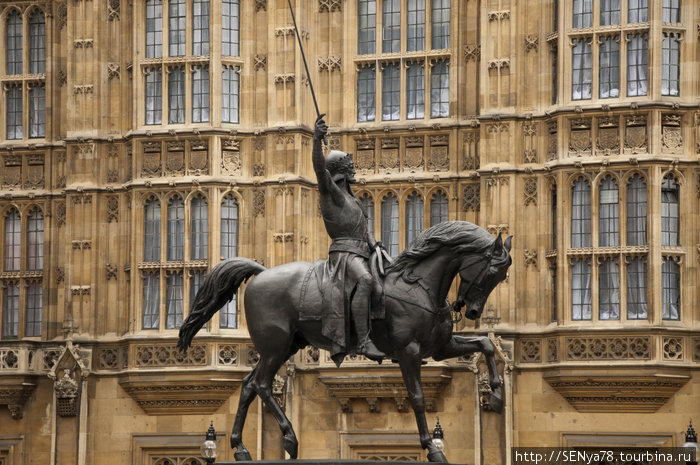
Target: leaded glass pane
{"type": "Point", "coordinates": [438, 208]}
{"type": "Point", "coordinates": [199, 228]}
{"type": "Point", "coordinates": [670, 65]}
{"type": "Point", "coordinates": [366, 20]}
{"type": "Point", "coordinates": [151, 233]}
{"type": "Point", "coordinates": [200, 94]}
{"type": "Point", "coordinates": [154, 28]}
{"type": "Point", "coordinates": [609, 290]}
{"type": "Point", "coordinates": [13, 44]}
{"type": "Point", "coordinates": [637, 57]}
{"type": "Point", "coordinates": [582, 70]}
{"type": "Point", "coordinates": [636, 289]}
{"type": "Point", "coordinates": [414, 216]}
{"type": "Point", "coordinates": [200, 27]}
{"type": "Point", "coordinates": [671, 11]}
{"type": "Point", "coordinates": [580, 290]}
{"type": "Point", "coordinates": [176, 229]}
{"type": "Point", "coordinates": [13, 237]}
{"type": "Point", "coordinates": [368, 208]}
{"type": "Point", "coordinates": [440, 90]}
{"type": "Point", "coordinates": [636, 211]}
{"type": "Point", "coordinates": [35, 240]}
{"type": "Point", "coordinates": [391, 23]}
{"type": "Point", "coordinates": [415, 91]}
{"type": "Point", "coordinates": [229, 228]}
{"type": "Point", "coordinates": [231, 97]}
{"type": "Point", "coordinates": [32, 323]}
{"type": "Point", "coordinates": [415, 25]}
{"type": "Point", "coordinates": [390, 92]}
{"type": "Point", "coordinates": [176, 95]}
{"type": "Point", "coordinates": [609, 12]}
{"type": "Point", "coordinates": [609, 74]}
{"type": "Point", "coordinates": [671, 291]}
{"type": "Point", "coordinates": [154, 96]}
{"type": "Point", "coordinates": [390, 224]}
{"type": "Point", "coordinates": [230, 27]}
{"type": "Point", "coordinates": [670, 219]}
{"type": "Point", "coordinates": [441, 24]}
{"type": "Point", "coordinates": [173, 304]}
{"type": "Point", "coordinates": [365, 94]}
{"type": "Point", "coordinates": [37, 111]}
{"type": "Point", "coordinates": [37, 43]}
{"type": "Point", "coordinates": [13, 115]}
{"type": "Point", "coordinates": [151, 301]}
{"type": "Point", "coordinates": [608, 213]}
{"type": "Point", "coordinates": [10, 310]}
{"type": "Point", "coordinates": [583, 13]}
{"type": "Point", "coordinates": [581, 213]}
{"type": "Point", "coordinates": [176, 28]}
{"type": "Point", "coordinates": [637, 11]}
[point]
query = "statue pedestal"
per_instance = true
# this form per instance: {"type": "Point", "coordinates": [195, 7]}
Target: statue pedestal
{"type": "Point", "coordinates": [316, 462]}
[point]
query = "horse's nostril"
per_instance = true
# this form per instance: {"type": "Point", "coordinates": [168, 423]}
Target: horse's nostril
{"type": "Point", "coordinates": [472, 314]}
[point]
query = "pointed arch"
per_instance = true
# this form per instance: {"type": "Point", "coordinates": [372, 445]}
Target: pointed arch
{"type": "Point", "coordinates": [175, 245]}
{"type": "Point", "coordinates": [12, 231]}
{"type": "Point", "coordinates": [199, 227]}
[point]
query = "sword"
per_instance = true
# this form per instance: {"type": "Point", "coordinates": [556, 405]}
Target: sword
{"type": "Point", "coordinates": [303, 57]}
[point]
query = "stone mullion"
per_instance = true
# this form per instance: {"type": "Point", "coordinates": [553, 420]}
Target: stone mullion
{"type": "Point", "coordinates": [654, 306]}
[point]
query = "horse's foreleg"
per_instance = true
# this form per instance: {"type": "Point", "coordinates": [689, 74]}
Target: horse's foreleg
{"type": "Point", "coordinates": [410, 363]}
{"type": "Point", "coordinates": [248, 393]}
{"type": "Point", "coordinates": [459, 346]}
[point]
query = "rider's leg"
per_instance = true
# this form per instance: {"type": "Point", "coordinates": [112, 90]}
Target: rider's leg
{"type": "Point", "coordinates": [360, 310]}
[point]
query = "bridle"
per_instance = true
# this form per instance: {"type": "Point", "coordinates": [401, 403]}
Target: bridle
{"type": "Point", "coordinates": [486, 258]}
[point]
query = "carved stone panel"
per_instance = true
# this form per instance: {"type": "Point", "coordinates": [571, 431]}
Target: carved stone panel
{"type": "Point", "coordinates": [199, 158]}
{"type": "Point", "coordinates": [414, 158]}
{"type": "Point", "coordinates": [552, 129]}
{"type": "Point", "coordinates": [608, 139]}
{"type": "Point", "coordinates": [34, 178]}
{"type": "Point", "coordinates": [438, 158]}
{"type": "Point", "coordinates": [470, 155]}
{"type": "Point", "coordinates": [12, 172]}
{"type": "Point", "coordinates": [529, 142]}
{"type": "Point", "coordinates": [580, 138]}
{"type": "Point", "coordinates": [471, 198]}
{"type": "Point", "coordinates": [671, 135]}
{"type": "Point", "coordinates": [636, 134]}
{"type": "Point", "coordinates": [175, 159]}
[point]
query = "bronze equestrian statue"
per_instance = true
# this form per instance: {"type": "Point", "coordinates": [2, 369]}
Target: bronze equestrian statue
{"type": "Point", "coordinates": [282, 304]}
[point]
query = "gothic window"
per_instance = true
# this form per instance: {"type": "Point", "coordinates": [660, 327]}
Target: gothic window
{"type": "Point", "coordinates": [390, 92]}
{"type": "Point", "coordinates": [13, 237]}
{"type": "Point", "coordinates": [37, 110]}
{"type": "Point", "coordinates": [368, 208]}
{"type": "Point", "coordinates": [440, 19]}
{"type": "Point", "coordinates": [176, 229]}
{"type": "Point", "coordinates": [637, 11]}
{"type": "Point", "coordinates": [583, 13]}
{"type": "Point", "coordinates": [176, 28]}
{"type": "Point", "coordinates": [230, 27]}
{"type": "Point", "coordinates": [580, 289]}
{"type": "Point", "coordinates": [582, 70]}
{"type": "Point", "coordinates": [13, 44]}
{"type": "Point", "coordinates": [671, 289]}
{"type": "Point", "coordinates": [151, 233]}
{"type": "Point", "coordinates": [200, 27]}
{"type": "Point", "coordinates": [33, 314]}
{"type": "Point", "coordinates": [154, 92]}
{"type": "Point", "coordinates": [440, 90]}
{"type": "Point", "coordinates": [609, 12]}
{"type": "Point", "coordinates": [670, 64]}
{"type": "Point", "coordinates": [636, 288]}
{"type": "Point", "coordinates": [176, 95]}
{"type": "Point", "coordinates": [670, 219]}
{"type": "Point", "coordinates": [365, 94]}
{"type": "Point", "coordinates": [636, 211]}
{"type": "Point", "coordinates": [37, 43]}
{"type": "Point", "coordinates": [608, 213]}
{"type": "Point", "coordinates": [230, 94]}
{"type": "Point", "coordinates": [581, 213]}
{"type": "Point", "coordinates": [35, 240]}
{"type": "Point", "coordinates": [173, 304]}
{"type": "Point", "coordinates": [154, 28]}
{"type": "Point", "coordinates": [151, 300]}
{"type": "Point", "coordinates": [367, 14]}
{"type": "Point", "coordinates": [414, 216]}
{"type": "Point", "coordinates": [10, 310]}
{"type": "Point", "coordinates": [200, 94]}
{"type": "Point", "coordinates": [637, 58]}
{"type": "Point", "coordinates": [609, 290]}
{"type": "Point", "coordinates": [671, 11]}
{"type": "Point", "coordinates": [199, 228]}
{"type": "Point", "coordinates": [415, 91]}
{"type": "Point", "coordinates": [438, 208]}
{"type": "Point", "coordinates": [609, 74]}
{"type": "Point", "coordinates": [390, 224]}
{"type": "Point", "coordinates": [13, 104]}
{"type": "Point", "coordinates": [228, 315]}
{"type": "Point", "coordinates": [416, 25]}
{"type": "Point", "coordinates": [391, 26]}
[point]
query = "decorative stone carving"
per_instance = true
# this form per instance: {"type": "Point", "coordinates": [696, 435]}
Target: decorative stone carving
{"type": "Point", "coordinates": [673, 348]}
{"type": "Point", "coordinates": [608, 138]}
{"type": "Point", "coordinates": [414, 158]}
{"type": "Point", "coordinates": [472, 52]}
{"type": "Point", "coordinates": [260, 5]}
{"type": "Point", "coordinates": [532, 41]}
{"type": "Point", "coordinates": [111, 358]}
{"type": "Point", "coordinates": [580, 138]}
{"type": "Point", "coordinates": [696, 352]}
{"type": "Point", "coordinates": [311, 355]}
{"type": "Point", "coordinates": [259, 62]}
{"type": "Point", "coordinates": [199, 158]}
{"type": "Point", "coordinates": [608, 348]}
{"type": "Point", "coordinates": [552, 350]}
{"type": "Point", "coordinates": [113, 10]}
{"type": "Point", "coordinates": [111, 271]}
{"type": "Point", "coordinates": [162, 355]}
{"type": "Point", "coordinates": [671, 135]}
{"type": "Point", "coordinates": [12, 175]}
{"type": "Point", "coordinates": [389, 158]}
{"type": "Point", "coordinates": [227, 355]}
{"type": "Point", "coordinates": [49, 359]}
{"type": "Point", "coordinates": [552, 129]}
{"type": "Point", "coordinates": [331, 63]}
{"type": "Point", "coordinates": [61, 15]}
{"type": "Point", "coordinates": [14, 392]}
{"type": "Point", "coordinates": [67, 395]}
{"type": "Point", "coordinates": [640, 393]}
{"type": "Point", "coordinates": [530, 257]}
{"type": "Point", "coordinates": [231, 162]}
{"type": "Point", "coordinates": [175, 159]}
{"type": "Point", "coordinates": [258, 169]}
{"type": "Point", "coordinates": [113, 71]}
{"type": "Point", "coordinates": [151, 159]}
{"type": "Point", "coordinates": [499, 15]}
{"type": "Point", "coordinates": [499, 63]}
{"type": "Point", "coordinates": [60, 275]}
{"type": "Point", "coordinates": [252, 356]}
{"type": "Point", "coordinates": [112, 176]}
{"type": "Point", "coordinates": [285, 78]}
{"type": "Point", "coordinates": [258, 203]}
{"type": "Point", "coordinates": [530, 351]}
{"type": "Point", "coordinates": [470, 157]}
{"type": "Point", "coordinates": [530, 142]}
{"type": "Point", "coordinates": [60, 213]}
{"type": "Point", "coordinates": [636, 134]}
{"type": "Point", "coordinates": [438, 159]}
{"type": "Point", "coordinates": [530, 191]}
{"type": "Point", "coordinates": [34, 178]}
{"type": "Point", "coordinates": [112, 209]}
{"type": "Point", "coordinates": [330, 5]}
{"type": "Point", "coordinates": [471, 198]}
{"type": "Point", "coordinates": [8, 359]}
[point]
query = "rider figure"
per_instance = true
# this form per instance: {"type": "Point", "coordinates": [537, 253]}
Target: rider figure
{"type": "Point", "coordinates": [346, 224]}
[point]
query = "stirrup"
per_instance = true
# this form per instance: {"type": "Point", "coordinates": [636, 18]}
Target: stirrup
{"type": "Point", "coordinates": [371, 351]}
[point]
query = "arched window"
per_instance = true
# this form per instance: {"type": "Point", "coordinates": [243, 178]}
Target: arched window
{"type": "Point", "coordinates": [636, 288]}
{"type": "Point", "coordinates": [228, 315]}
{"type": "Point", "coordinates": [10, 309]}
{"type": "Point", "coordinates": [13, 237]}
{"type": "Point", "coordinates": [414, 216]}
{"type": "Point", "coordinates": [173, 301]}
{"type": "Point", "coordinates": [13, 42]}
{"type": "Point", "coordinates": [35, 240]}
{"type": "Point", "coordinates": [608, 213]}
{"type": "Point", "coordinates": [32, 325]}
{"type": "Point", "coordinates": [390, 224]}
{"type": "Point", "coordinates": [151, 231]}
{"type": "Point", "coordinates": [581, 289]}
{"type": "Point", "coordinates": [670, 220]}
{"type": "Point", "coordinates": [581, 213]}
{"type": "Point", "coordinates": [368, 208]}
{"type": "Point", "coordinates": [199, 228]}
{"type": "Point", "coordinates": [37, 43]}
{"type": "Point", "coordinates": [176, 229]}
{"type": "Point", "coordinates": [636, 211]}
{"type": "Point", "coordinates": [671, 289]}
{"type": "Point", "coordinates": [438, 208]}
{"type": "Point", "coordinates": [609, 290]}
{"type": "Point", "coordinates": [151, 300]}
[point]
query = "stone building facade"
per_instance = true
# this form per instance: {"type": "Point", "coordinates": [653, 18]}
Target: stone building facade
{"type": "Point", "coordinates": [142, 142]}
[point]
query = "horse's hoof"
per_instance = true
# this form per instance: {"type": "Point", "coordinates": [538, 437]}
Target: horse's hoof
{"type": "Point", "coordinates": [291, 445]}
{"type": "Point", "coordinates": [242, 456]}
{"type": "Point", "coordinates": [496, 400]}
{"type": "Point", "coordinates": [437, 456]}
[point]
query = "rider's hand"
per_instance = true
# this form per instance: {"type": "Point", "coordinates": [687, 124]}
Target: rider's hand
{"type": "Point", "coordinates": [457, 305]}
{"type": "Point", "coordinates": [321, 128]}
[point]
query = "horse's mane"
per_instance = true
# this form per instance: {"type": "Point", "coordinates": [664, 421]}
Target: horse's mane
{"type": "Point", "coordinates": [462, 236]}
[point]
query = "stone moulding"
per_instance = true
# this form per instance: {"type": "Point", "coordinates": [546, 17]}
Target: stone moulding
{"type": "Point", "coordinates": [200, 393]}
{"type": "Point", "coordinates": [643, 392]}
{"type": "Point", "coordinates": [14, 392]}
{"type": "Point", "coordinates": [385, 383]}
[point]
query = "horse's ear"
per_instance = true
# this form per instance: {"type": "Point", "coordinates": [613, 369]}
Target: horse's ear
{"type": "Point", "coordinates": [507, 243]}
{"type": "Point", "coordinates": [499, 244]}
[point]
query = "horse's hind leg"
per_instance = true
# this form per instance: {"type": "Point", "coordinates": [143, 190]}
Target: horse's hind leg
{"type": "Point", "coordinates": [248, 393]}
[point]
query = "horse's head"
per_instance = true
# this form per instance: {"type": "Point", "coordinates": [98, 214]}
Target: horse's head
{"type": "Point", "coordinates": [478, 278]}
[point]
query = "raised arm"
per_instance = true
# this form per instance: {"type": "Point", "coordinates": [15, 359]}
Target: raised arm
{"type": "Point", "coordinates": [322, 175]}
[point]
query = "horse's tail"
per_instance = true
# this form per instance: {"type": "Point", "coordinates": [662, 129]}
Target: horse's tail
{"type": "Point", "coordinates": [218, 288]}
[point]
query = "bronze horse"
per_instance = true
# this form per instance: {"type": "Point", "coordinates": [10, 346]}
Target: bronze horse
{"type": "Point", "coordinates": [413, 328]}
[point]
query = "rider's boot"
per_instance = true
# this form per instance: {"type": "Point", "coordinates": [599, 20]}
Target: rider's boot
{"type": "Point", "coordinates": [360, 314]}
